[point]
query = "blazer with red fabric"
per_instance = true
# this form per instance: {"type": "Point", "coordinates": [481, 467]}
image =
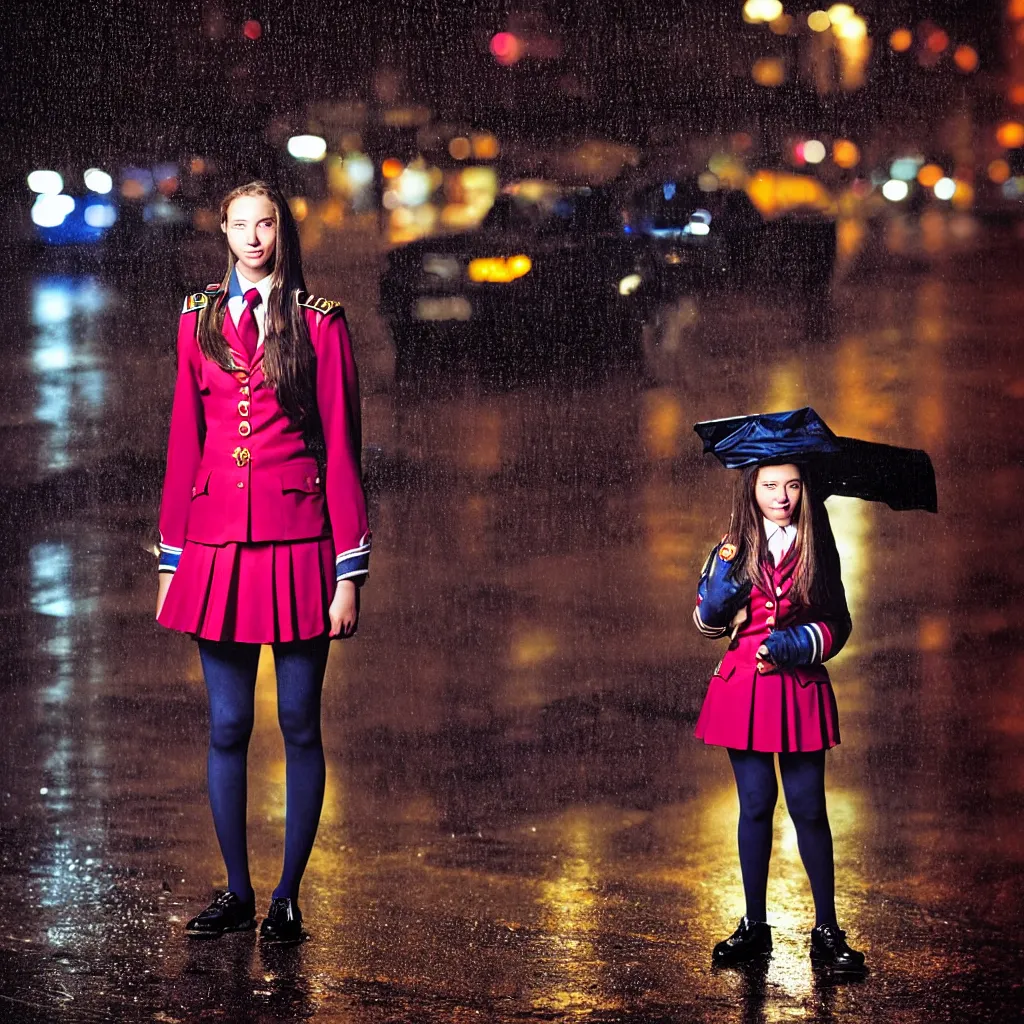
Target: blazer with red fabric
{"type": "Point", "coordinates": [752, 704]}
{"type": "Point", "coordinates": [238, 470]}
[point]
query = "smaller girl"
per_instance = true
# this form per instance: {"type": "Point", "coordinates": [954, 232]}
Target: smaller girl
{"type": "Point", "coordinates": [774, 587]}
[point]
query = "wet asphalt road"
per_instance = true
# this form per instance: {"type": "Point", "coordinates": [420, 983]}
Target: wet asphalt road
{"type": "Point", "coordinates": [519, 825]}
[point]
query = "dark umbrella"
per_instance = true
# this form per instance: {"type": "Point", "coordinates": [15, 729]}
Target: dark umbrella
{"type": "Point", "coordinates": [901, 477]}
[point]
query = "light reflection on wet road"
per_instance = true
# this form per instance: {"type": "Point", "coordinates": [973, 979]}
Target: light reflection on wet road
{"type": "Point", "coordinates": [518, 823]}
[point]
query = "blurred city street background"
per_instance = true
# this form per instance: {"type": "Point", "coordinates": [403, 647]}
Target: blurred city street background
{"type": "Point", "coordinates": [562, 234]}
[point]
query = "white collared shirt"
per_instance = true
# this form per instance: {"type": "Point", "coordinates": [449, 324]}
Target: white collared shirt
{"type": "Point", "coordinates": [237, 302]}
{"type": "Point", "coordinates": [780, 539]}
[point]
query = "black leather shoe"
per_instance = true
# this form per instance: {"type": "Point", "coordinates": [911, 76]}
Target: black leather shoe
{"type": "Point", "coordinates": [227, 913]}
{"type": "Point", "coordinates": [829, 949]}
{"type": "Point", "coordinates": [283, 923]}
{"type": "Point", "coordinates": [752, 940]}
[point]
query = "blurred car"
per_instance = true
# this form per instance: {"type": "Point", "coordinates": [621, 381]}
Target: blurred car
{"type": "Point", "coordinates": [777, 233]}
{"type": "Point", "coordinates": [551, 267]}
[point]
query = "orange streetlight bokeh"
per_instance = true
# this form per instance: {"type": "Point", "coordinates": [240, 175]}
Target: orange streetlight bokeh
{"type": "Point", "coordinates": [901, 40]}
{"type": "Point", "coordinates": [845, 153]}
{"type": "Point", "coordinates": [1010, 135]}
{"type": "Point", "coordinates": [999, 171]}
{"type": "Point", "coordinates": [966, 59]}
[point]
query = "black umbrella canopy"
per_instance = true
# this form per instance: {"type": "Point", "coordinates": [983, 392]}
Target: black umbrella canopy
{"type": "Point", "coordinates": [903, 478]}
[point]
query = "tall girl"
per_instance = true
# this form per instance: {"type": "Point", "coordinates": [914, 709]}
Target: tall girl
{"type": "Point", "coordinates": [774, 586]}
{"type": "Point", "coordinates": [264, 536]}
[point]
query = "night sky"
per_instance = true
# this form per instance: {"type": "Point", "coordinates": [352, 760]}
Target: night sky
{"type": "Point", "coordinates": [148, 79]}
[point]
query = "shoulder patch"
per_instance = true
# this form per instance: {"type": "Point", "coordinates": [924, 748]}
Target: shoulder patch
{"type": "Point", "coordinates": [200, 300]}
{"type": "Point", "coordinates": [320, 305]}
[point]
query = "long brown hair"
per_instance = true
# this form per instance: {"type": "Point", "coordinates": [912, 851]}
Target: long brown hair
{"type": "Point", "coordinates": [746, 532]}
{"type": "Point", "coordinates": [289, 364]}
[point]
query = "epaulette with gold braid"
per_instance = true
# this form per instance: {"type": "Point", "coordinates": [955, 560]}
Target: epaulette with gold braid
{"type": "Point", "coordinates": [320, 305]}
{"type": "Point", "coordinates": [200, 300]}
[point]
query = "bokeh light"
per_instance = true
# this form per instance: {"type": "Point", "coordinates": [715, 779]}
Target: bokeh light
{"type": "Point", "coordinates": [391, 168]}
{"type": "Point", "coordinates": [782, 25]}
{"type": "Point", "coordinates": [845, 154]}
{"type": "Point", "coordinates": [937, 40]}
{"type": "Point", "coordinates": [755, 11]}
{"type": "Point", "coordinates": [999, 171]}
{"type": "Point", "coordinates": [901, 40]}
{"type": "Point", "coordinates": [506, 48]}
{"type": "Point", "coordinates": [819, 21]}
{"type": "Point", "coordinates": [963, 197]}
{"type": "Point", "coordinates": [485, 146]}
{"type": "Point", "coordinates": [252, 29]}
{"type": "Point", "coordinates": [905, 168]}
{"type": "Point", "coordinates": [46, 183]}
{"type": "Point", "coordinates": [359, 169]}
{"type": "Point", "coordinates": [50, 210]}
{"type": "Point", "coordinates": [852, 29]}
{"type": "Point", "coordinates": [1015, 10]}
{"type": "Point", "coordinates": [814, 151]}
{"type": "Point", "coordinates": [307, 148]}
{"type": "Point", "coordinates": [966, 59]}
{"type": "Point", "coordinates": [100, 214]}
{"type": "Point", "coordinates": [98, 181]}
{"type": "Point", "coordinates": [929, 174]}
{"type": "Point", "coordinates": [839, 13]}
{"type": "Point", "coordinates": [944, 188]}
{"type": "Point", "coordinates": [1017, 95]}
{"type": "Point", "coordinates": [1010, 135]}
{"type": "Point", "coordinates": [769, 71]}
{"type": "Point", "coordinates": [895, 190]}
{"type": "Point", "coordinates": [460, 148]}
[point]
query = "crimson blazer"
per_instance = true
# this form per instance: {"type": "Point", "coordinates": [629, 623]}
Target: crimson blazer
{"type": "Point", "coordinates": [238, 469]}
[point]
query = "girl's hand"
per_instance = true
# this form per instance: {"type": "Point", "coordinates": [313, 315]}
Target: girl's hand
{"type": "Point", "coordinates": [163, 586]}
{"type": "Point", "coordinates": [344, 610]}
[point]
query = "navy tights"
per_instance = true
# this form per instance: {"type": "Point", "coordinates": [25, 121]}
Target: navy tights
{"type": "Point", "coordinates": [230, 672]}
{"type": "Point", "coordinates": [803, 779]}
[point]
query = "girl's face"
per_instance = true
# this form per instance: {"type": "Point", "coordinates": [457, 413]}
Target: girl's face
{"type": "Point", "coordinates": [251, 229]}
{"type": "Point", "coordinates": [777, 490]}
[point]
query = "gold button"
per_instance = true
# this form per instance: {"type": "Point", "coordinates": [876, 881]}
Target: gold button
{"type": "Point", "coordinates": [769, 605]}
{"type": "Point", "coordinates": [241, 456]}
{"type": "Point", "coordinates": [243, 408]}
{"type": "Point", "coordinates": [245, 391]}
{"type": "Point", "coordinates": [245, 428]}
{"type": "Point", "coordinates": [241, 483]}
{"type": "Point", "coordinates": [770, 620]}
{"type": "Point", "coordinates": [760, 666]}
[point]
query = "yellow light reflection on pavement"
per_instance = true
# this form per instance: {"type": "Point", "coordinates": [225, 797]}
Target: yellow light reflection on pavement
{"type": "Point", "coordinates": [573, 975]}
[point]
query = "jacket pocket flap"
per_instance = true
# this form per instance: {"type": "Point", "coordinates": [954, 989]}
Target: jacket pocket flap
{"type": "Point", "coordinates": [299, 478]}
{"type": "Point", "coordinates": [202, 484]}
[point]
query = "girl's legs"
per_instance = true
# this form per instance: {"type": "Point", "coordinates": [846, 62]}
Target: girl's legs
{"type": "Point", "coordinates": [758, 791]}
{"type": "Point", "coordinates": [230, 672]}
{"type": "Point", "coordinates": [300, 670]}
{"type": "Point", "coordinates": [803, 779]}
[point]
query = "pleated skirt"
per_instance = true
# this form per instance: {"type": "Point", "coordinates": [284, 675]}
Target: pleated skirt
{"type": "Point", "coordinates": [252, 593]}
{"type": "Point", "coordinates": [780, 712]}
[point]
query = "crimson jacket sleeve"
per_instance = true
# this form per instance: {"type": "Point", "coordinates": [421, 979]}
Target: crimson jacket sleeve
{"type": "Point", "coordinates": [184, 446]}
{"type": "Point", "coordinates": [337, 393]}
